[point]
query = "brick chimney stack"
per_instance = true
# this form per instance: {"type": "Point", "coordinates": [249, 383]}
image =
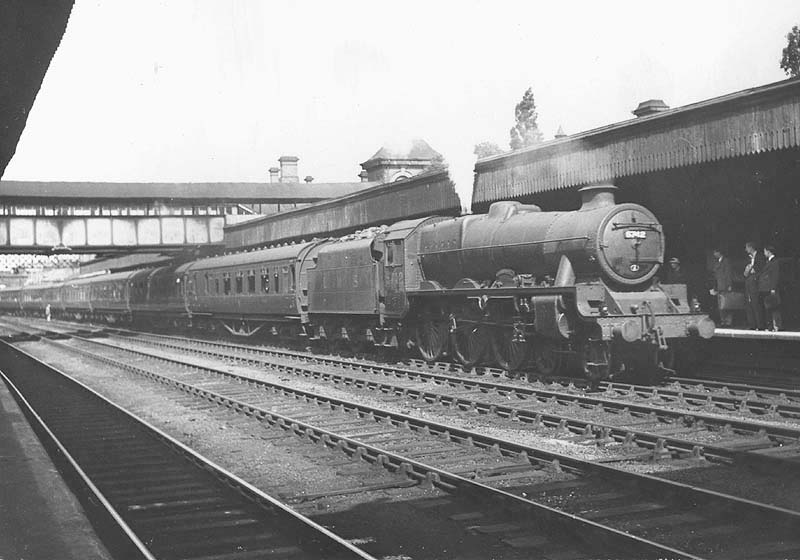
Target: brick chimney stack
{"type": "Point", "coordinates": [274, 175]}
{"type": "Point", "coordinates": [289, 169]}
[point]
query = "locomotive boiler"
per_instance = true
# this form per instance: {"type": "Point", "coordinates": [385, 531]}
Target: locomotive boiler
{"type": "Point", "coordinates": [562, 288]}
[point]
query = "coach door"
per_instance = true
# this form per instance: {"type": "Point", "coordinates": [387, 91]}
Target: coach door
{"type": "Point", "coordinates": [394, 281]}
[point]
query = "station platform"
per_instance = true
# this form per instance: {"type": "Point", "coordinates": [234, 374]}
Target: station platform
{"type": "Point", "coordinates": [757, 335]}
{"type": "Point", "coordinates": [40, 518]}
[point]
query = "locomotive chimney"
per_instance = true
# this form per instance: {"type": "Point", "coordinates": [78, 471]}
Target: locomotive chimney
{"type": "Point", "coordinates": [597, 196]}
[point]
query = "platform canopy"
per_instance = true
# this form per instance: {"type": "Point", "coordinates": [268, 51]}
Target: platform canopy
{"type": "Point", "coordinates": [30, 33]}
{"type": "Point", "coordinates": [749, 122]}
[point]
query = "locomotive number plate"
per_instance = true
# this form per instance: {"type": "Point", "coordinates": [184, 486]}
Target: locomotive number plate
{"type": "Point", "coordinates": [635, 234]}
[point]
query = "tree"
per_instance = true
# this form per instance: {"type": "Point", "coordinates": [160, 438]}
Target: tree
{"type": "Point", "coordinates": [525, 132]}
{"type": "Point", "coordinates": [486, 149]}
{"type": "Point", "coordinates": [790, 61]}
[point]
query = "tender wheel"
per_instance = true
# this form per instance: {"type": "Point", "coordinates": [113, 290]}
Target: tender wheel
{"type": "Point", "coordinates": [333, 335]}
{"type": "Point", "coordinates": [470, 343]}
{"type": "Point", "coordinates": [547, 358]}
{"type": "Point", "coordinates": [509, 354]}
{"type": "Point", "coordinates": [357, 340]}
{"type": "Point", "coordinates": [333, 330]}
{"type": "Point", "coordinates": [431, 337]}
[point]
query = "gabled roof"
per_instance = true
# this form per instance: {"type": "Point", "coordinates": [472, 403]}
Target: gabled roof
{"type": "Point", "coordinates": [416, 148]}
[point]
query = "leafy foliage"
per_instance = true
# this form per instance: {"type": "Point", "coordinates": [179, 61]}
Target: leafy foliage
{"type": "Point", "coordinates": [790, 61]}
{"type": "Point", "coordinates": [525, 132]}
{"type": "Point", "coordinates": [486, 149]}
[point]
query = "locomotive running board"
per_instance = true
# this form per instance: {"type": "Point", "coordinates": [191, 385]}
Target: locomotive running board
{"type": "Point", "coordinates": [500, 292]}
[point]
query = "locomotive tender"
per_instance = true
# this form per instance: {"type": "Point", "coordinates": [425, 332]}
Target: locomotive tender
{"type": "Point", "coordinates": [510, 287]}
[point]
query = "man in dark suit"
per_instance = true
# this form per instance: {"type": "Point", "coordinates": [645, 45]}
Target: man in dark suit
{"type": "Point", "coordinates": [752, 303]}
{"type": "Point", "coordinates": [723, 284]}
{"type": "Point", "coordinates": [768, 281]}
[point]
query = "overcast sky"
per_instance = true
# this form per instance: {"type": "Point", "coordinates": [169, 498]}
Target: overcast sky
{"type": "Point", "coordinates": [212, 90]}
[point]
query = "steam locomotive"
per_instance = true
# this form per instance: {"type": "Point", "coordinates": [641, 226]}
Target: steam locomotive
{"type": "Point", "coordinates": [515, 287]}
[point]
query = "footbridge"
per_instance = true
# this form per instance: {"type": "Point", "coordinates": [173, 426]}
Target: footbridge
{"type": "Point", "coordinates": [111, 218]}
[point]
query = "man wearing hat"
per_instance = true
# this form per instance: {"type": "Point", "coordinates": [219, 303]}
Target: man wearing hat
{"type": "Point", "coordinates": [768, 284]}
{"type": "Point", "coordinates": [723, 285]}
{"type": "Point", "coordinates": [755, 314]}
{"type": "Point", "coordinates": [674, 273]}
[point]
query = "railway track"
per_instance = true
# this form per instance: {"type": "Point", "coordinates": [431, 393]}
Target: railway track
{"type": "Point", "coordinates": [152, 496]}
{"type": "Point", "coordinates": [757, 400]}
{"type": "Point", "coordinates": [662, 430]}
{"type": "Point", "coordinates": [672, 413]}
{"type": "Point", "coordinates": [623, 501]}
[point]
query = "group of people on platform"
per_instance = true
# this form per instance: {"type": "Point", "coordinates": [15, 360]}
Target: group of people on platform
{"type": "Point", "coordinates": [762, 301]}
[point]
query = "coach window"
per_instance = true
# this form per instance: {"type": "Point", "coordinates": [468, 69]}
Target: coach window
{"type": "Point", "coordinates": [265, 280]}
{"type": "Point", "coordinates": [292, 279]}
{"type": "Point", "coordinates": [216, 282]}
{"type": "Point", "coordinates": [277, 280]}
{"type": "Point", "coordinates": [239, 282]}
{"type": "Point", "coordinates": [251, 282]}
{"type": "Point", "coordinates": [394, 255]}
{"type": "Point", "coordinates": [208, 285]}
{"type": "Point", "coordinates": [226, 282]}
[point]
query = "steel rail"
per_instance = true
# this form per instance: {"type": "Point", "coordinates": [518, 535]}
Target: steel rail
{"type": "Point", "coordinates": [747, 399]}
{"type": "Point", "coordinates": [682, 398]}
{"type": "Point", "coordinates": [509, 448]}
{"type": "Point", "coordinates": [658, 443]}
{"type": "Point", "coordinates": [89, 495]}
{"type": "Point", "coordinates": [746, 390]}
{"type": "Point", "coordinates": [589, 531]}
{"type": "Point", "coordinates": [782, 434]}
{"type": "Point", "coordinates": [332, 543]}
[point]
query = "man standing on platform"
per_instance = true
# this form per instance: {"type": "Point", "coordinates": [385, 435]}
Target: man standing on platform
{"type": "Point", "coordinates": [768, 281]}
{"type": "Point", "coordinates": [723, 285]}
{"type": "Point", "coordinates": [752, 303]}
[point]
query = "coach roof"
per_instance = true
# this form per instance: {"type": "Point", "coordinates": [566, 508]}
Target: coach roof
{"type": "Point", "coordinates": [251, 258]}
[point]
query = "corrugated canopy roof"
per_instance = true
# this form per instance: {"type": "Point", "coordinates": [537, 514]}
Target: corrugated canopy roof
{"type": "Point", "coordinates": [743, 123]}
